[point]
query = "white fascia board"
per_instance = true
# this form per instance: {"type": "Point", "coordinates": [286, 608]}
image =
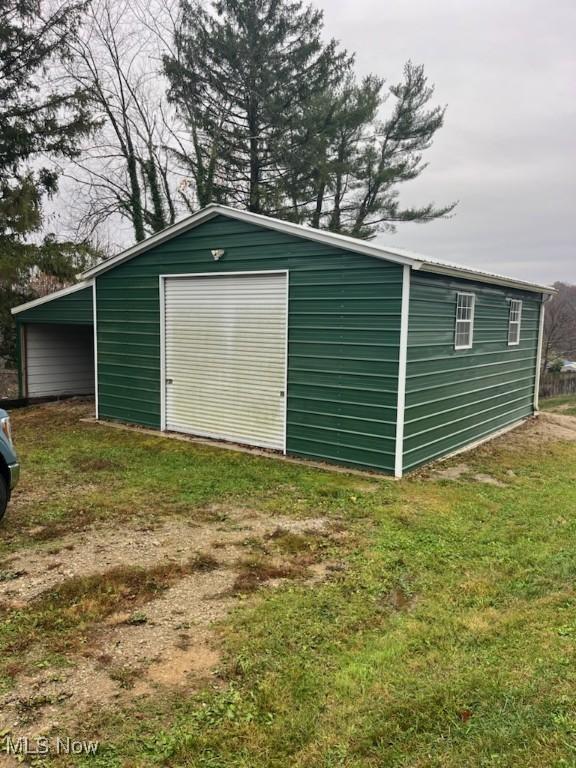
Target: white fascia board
{"type": "Point", "coordinates": [56, 295]}
{"type": "Point", "coordinates": [160, 237]}
{"type": "Point", "coordinates": [321, 236]}
{"type": "Point", "coordinates": [539, 353]}
{"type": "Point", "coordinates": [286, 227]}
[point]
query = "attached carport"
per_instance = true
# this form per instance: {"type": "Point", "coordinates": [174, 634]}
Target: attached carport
{"type": "Point", "coordinates": [55, 343]}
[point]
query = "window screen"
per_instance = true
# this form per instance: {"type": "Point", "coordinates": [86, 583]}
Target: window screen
{"type": "Point", "coordinates": [464, 321]}
{"type": "Point", "coordinates": [514, 322]}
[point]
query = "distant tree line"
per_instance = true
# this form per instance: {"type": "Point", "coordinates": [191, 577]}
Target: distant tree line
{"type": "Point", "coordinates": [151, 109]}
{"type": "Point", "coordinates": [559, 340]}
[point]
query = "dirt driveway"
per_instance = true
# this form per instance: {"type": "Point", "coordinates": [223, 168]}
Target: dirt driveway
{"type": "Point", "coordinates": [99, 614]}
{"type": "Point", "coordinates": [168, 639]}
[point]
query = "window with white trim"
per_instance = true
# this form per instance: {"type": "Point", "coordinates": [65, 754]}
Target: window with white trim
{"type": "Point", "coordinates": [514, 322]}
{"type": "Point", "coordinates": [464, 331]}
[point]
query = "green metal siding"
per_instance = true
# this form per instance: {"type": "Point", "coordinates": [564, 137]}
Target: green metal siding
{"type": "Point", "coordinates": [344, 328]}
{"type": "Point", "coordinates": [74, 309]}
{"type": "Point", "coordinates": [457, 397]}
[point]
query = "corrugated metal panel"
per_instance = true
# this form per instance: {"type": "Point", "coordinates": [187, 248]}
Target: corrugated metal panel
{"type": "Point", "coordinates": [344, 312]}
{"type": "Point", "coordinates": [59, 360]}
{"type": "Point", "coordinates": [74, 309]}
{"type": "Point", "coordinates": [225, 351]}
{"type": "Point", "coordinates": [457, 397]}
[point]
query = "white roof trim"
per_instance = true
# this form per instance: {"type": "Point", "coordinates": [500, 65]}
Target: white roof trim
{"type": "Point", "coordinates": [56, 295]}
{"type": "Point", "coordinates": [213, 210]}
{"type": "Point", "coordinates": [397, 255]}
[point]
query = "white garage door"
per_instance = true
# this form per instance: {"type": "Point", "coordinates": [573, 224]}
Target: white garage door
{"type": "Point", "coordinates": [59, 360]}
{"type": "Point", "coordinates": [225, 357]}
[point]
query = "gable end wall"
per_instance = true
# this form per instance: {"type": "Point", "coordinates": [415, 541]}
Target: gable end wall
{"type": "Point", "coordinates": [343, 341]}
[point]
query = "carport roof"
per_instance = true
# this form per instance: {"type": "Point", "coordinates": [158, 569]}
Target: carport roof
{"type": "Point", "coordinates": [51, 296]}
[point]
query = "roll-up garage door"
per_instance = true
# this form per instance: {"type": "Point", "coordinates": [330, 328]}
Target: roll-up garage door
{"type": "Point", "coordinates": [225, 357]}
{"type": "Point", "coordinates": [59, 359]}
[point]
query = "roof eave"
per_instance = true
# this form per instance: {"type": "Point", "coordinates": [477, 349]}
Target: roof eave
{"type": "Point", "coordinates": [295, 230]}
{"type": "Point", "coordinates": [151, 242]}
{"type": "Point", "coordinates": [479, 277]}
{"type": "Point", "coordinates": [51, 296]}
{"type": "Point", "coordinates": [321, 236]}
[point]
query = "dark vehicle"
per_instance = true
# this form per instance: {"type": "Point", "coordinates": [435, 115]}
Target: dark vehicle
{"type": "Point", "coordinates": [9, 464]}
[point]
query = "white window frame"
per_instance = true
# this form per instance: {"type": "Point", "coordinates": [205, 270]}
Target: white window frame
{"type": "Point", "coordinates": [469, 321]}
{"type": "Point", "coordinates": [515, 305]}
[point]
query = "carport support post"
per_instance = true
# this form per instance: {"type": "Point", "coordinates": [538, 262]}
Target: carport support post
{"type": "Point", "coordinates": [20, 358]}
{"type": "Point", "coordinates": [402, 363]}
{"type": "Point", "coordinates": [162, 300]}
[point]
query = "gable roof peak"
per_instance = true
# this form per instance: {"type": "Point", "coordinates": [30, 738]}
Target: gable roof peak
{"type": "Point", "coordinates": [345, 242]}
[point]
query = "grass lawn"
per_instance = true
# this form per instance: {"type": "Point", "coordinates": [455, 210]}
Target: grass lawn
{"type": "Point", "coordinates": [562, 403]}
{"type": "Point", "coordinates": [446, 638]}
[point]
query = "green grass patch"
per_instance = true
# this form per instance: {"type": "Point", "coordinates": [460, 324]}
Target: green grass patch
{"type": "Point", "coordinates": [75, 474]}
{"type": "Point", "coordinates": [563, 403]}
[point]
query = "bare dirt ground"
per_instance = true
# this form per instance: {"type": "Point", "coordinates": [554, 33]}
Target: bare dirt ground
{"type": "Point", "coordinates": [550, 426]}
{"type": "Point", "coordinates": [171, 642]}
{"type": "Point", "coordinates": [96, 550]}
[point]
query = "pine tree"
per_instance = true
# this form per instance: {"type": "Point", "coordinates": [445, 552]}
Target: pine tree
{"type": "Point", "coordinates": [278, 124]}
{"type": "Point", "coordinates": [242, 79]}
{"type": "Point", "coordinates": [36, 120]}
{"type": "Point", "coordinates": [362, 159]}
{"type": "Point", "coordinates": [323, 164]}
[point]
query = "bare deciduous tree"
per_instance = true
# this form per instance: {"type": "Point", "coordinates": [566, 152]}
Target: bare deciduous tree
{"type": "Point", "coordinates": [560, 325]}
{"type": "Point", "coordinates": [125, 170]}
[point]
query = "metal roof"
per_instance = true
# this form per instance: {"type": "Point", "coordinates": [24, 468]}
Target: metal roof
{"type": "Point", "coordinates": [399, 255]}
{"type": "Point", "coordinates": [441, 266]}
{"type": "Point", "coordinates": [416, 261]}
{"type": "Point", "coordinates": [49, 297]}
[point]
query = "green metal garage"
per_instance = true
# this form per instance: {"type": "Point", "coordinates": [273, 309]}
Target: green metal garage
{"type": "Point", "coordinates": [238, 327]}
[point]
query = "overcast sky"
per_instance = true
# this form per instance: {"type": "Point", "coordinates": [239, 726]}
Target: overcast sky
{"type": "Point", "coordinates": [507, 71]}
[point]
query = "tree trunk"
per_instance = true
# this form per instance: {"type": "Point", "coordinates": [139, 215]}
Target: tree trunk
{"type": "Point", "coordinates": [336, 218]}
{"type": "Point", "coordinates": [158, 219]}
{"type": "Point", "coordinates": [136, 212]}
{"type": "Point", "coordinates": [254, 201]}
{"type": "Point", "coordinates": [317, 215]}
